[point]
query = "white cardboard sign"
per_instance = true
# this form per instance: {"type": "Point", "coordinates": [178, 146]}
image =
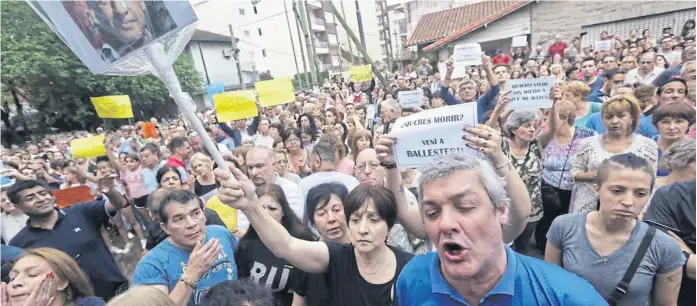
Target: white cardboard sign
{"type": "Point", "coordinates": [458, 72]}
{"type": "Point", "coordinates": [673, 58]}
{"type": "Point", "coordinates": [603, 45]}
{"type": "Point", "coordinates": [519, 41]}
{"type": "Point", "coordinates": [530, 93]}
{"type": "Point", "coordinates": [410, 99]}
{"type": "Point", "coordinates": [424, 135]}
{"type": "Point", "coordinates": [467, 55]}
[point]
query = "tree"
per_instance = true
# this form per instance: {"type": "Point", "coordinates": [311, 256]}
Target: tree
{"type": "Point", "coordinates": [265, 76]}
{"type": "Point", "coordinates": [39, 68]}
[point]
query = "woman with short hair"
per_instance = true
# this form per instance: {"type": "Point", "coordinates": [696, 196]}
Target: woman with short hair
{"type": "Point", "coordinates": [673, 122]}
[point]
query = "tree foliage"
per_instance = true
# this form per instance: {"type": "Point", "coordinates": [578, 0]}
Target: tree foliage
{"type": "Point", "coordinates": [42, 69]}
{"type": "Point", "coordinates": [265, 76]}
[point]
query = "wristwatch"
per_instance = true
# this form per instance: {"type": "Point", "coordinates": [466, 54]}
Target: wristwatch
{"type": "Point", "coordinates": [388, 166]}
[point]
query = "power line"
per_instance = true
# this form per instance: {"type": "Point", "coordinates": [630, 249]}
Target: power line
{"type": "Point", "coordinates": [274, 15]}
{"type": "Point", "coordinates": [267, 49]}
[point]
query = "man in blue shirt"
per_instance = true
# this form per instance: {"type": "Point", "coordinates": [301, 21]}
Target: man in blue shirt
{"type": "Point", "coordinates": [194, 257]}
{"type": "Point", "coordinates": [74, 230]}
{"type": "Point", "coordinates": [468, 89]}
{"type": "Point", "coordinates": [673, 90]}
{"type": "Point", "coordinates": [472, 265]}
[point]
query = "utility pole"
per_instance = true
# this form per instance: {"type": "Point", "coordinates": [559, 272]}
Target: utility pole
{"type": "Point", "coordinates": [359, 46]}
{"type": "Point", "coordinates": [300, 14]}
{"type": "Point", "coordinates": [390, 55]}
{"type": "Point", "coordinates": [360, 27]}
{"type": "Point", "coordinates": [343, 13]}
{"type": "Point", "coordinates": [302, 51]}
{"type": "Point", "coordinates": [292, 44]}
{"type": "Point", "coordinates": [236, 56]}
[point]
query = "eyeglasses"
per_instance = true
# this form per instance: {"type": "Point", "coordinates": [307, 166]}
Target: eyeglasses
{"type": "Point", "coordinates": [372, 165]}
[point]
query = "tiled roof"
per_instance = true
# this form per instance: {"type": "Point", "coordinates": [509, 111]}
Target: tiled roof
{"type": "Point", "coordinates": [201, 35]}
{"type": "Point", "coordinates": [445, 26]}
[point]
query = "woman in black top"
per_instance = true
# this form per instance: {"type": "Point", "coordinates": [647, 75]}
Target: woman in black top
{"type": "Point", "coordinates": [255, 261]}
{"type": "Point", "coordinates": [205, 185]}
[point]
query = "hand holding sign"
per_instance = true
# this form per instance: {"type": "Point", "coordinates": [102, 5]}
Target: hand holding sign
{"type": "Point", "coordinates": [530, 93]}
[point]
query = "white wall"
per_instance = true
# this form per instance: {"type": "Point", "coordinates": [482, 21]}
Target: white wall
{"type": "Point", "coordinates": [370, 27]}
{"type": "Point", "coordinates": [513, 24]}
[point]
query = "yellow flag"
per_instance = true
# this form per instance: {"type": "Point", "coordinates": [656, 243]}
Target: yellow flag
{"type": "Point", "coordinates": [226, 213]}
{"type": "Point", "coordinates": [118, 107]}
{"type": "Point", "coordinates": [88, 147]}
{"type": "Point", "coordinates": [235, 105]}
{"type": "Point", "coordinates": [275, 92]}
{"type": "Point", "coordinates": [361, 73]}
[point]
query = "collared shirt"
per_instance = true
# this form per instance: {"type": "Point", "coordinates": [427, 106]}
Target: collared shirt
{"type": "Point", "coordinates": [526, 281]}
{"type": "Point", "coordinates": [633, 76]}
{"type": "Point", "coordinates": [77, 233]}
{"type": "Point", "coordinates": [150, 176]}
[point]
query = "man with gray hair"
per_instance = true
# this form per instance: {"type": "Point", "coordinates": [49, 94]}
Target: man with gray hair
{"type": "Point", "coordinates": [646, 72]}
{"type": "Point", "coordinates": [260, 167]}
{"type": "Point", "coordinates": [323, 163]}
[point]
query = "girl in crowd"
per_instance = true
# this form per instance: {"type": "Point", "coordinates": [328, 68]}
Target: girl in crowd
{"type": "Point", "coordinates": [362, 139]}
{"type": "Point", "coordinates": [341, 131]}
{"type": "Point", "coordinates": [673, 121]}
{"type": "Point", "coordinates": [263, 136]}
{"type": "Point", "coordinates": [600, 245]}
{"type": "Point", "coordinates": [620, 117]}
{"type": "Point", "coordinates": [71, 178]}
{"type": "Point", "coordinates": [205, 185]}
{"type": "Point", "coordinates": [48, 276]}
{"type": "Point", "coordinates": [577, 92]}
{"type": "Point", "coordinates": [142, 296]}
{"type": "Point", "coordinates": [240, 154]}
{"type": "Point", "coordinates": [557, 72]}
{"type": "Point", "coordinates": [283, 279]}
{"type": "Point", "coordinates": [308, 121]}
{"type": "Point", "coordinates": [515, 75]}
{"type": "Point", "coordinates": [332, 116]}
{"type": "Point", "coordinates": [661, 61]}
{"type": "Point", "coordinates": [298, 156]}
{"type": "Point", "coordinates": [544, 71]}
{"type": "Point", "coordinates": [688, 29]}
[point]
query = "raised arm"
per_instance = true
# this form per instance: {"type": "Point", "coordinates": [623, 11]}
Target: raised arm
{"type": "Point", "coordinates": [113, 159]}
{"type": "Point", "coordinates": [309, 256]}
{"type": "Point", "coordinates": [546, 136]}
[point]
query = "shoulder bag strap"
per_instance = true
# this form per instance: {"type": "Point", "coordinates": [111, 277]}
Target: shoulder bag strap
{"type": "Point", "coordinates": [623, 286]}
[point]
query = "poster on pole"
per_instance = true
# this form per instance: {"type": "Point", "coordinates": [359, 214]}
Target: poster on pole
{"type": "Point", "coordinates": [603, 45]}
{"type": "Point", "coordinates": [275, 92]}
{"type": "Point", "coordinates": [411, 98]}
{"type": "Point", "coordinates": [530, 93]}
{"type": "Point", "coordinates": [235, 105]}
{"type": "Point", "coordinates": [105, 33]}
{"type": "Point", "coordinates": [519, 41]}
{"type": "Point", "coordinates": [361, 73]}
{"type": "Point", "coordinates": [467, 55]}
{"type": "Point", "coordinates": [114, 107]}
{"type": "Point", "coordinates": [424, 135]}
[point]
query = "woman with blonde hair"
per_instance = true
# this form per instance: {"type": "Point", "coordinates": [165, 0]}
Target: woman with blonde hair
{"type": "Point", "coordinates": [46, 276]}
{"type": "Point", "coordinates": [557, 71]}
{"type": "Point", "coordinates": [142, 296]}
{"type": "Point", "coordinates": [205, 185]}
{"type": "Point", "coordinates": [628, 63]}
{"type": "Point", "coordinates": [577, 92]}
{"type": "Point", "coordinates": [621, 116]}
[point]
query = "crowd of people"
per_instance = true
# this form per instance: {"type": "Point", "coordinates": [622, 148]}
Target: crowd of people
{"type": "Point", "coordinates": [311, 208]}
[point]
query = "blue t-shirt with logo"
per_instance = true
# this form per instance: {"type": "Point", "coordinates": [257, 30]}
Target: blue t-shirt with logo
{"type": "Point", "coordinates": [165, 263]}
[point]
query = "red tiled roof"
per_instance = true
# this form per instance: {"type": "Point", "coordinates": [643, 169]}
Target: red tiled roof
{"type": "Point", "coordinates": [446, 26]}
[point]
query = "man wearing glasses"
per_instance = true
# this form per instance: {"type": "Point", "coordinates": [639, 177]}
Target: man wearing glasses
{"type": "Point", "coordinates": [610, 62]}
{"type": "Point", "coordinates": [646, 72]}
{"type": "Point", "coordinates": [611, 78]}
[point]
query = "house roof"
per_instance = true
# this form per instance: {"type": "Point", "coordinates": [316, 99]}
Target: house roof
{"type": "Point", "coordinates": [201, 35]}
{"type": "Point", "coordinates": [445, 26]}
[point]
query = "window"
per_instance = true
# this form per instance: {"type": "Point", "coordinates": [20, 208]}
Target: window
{"type": "Point", "coordinates": [259, 30]}
{"type": "Point", "coordinates": [250, 54]}
{"type": "Point", "coordinates": [242, 11]}
{"type": "Point", "coordinates": [255, 10]}
{"type": "Point", "coordinates": [263, 52]}
{"type": "Point", "coordinates": [246, 33]}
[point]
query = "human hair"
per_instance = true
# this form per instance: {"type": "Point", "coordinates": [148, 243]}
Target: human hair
{"type": "Point", "coordinates": [625, 161]}
{"type": "Point", "coordinates": [318, 197]}
{"type": "Point", "coordinates": [500, 65]}
{"type": "Point", "coordinates": [678, 156]}
{"type": "Point", "coordinates": [155, 200]}
{"type": "Point", "coordinates": [339, 116]}
{"type": "Point", "coordinates": [311, 120]}
{"type": "Point", "coordinates": [357, 135]}
{"type": "Point", "coordinates": [467, 82]}
{"type": "Point", "coordinates": [325, 151]}
{"type": "Point", "coordinates": [578, 89]}
{"type": "Point", "coordinates": [238, 293]}
{"type": "Point", "coordinates": [609, 74]}
{"type": "Point", "coordinates": [446, 165]}
{"type": "Point", "coordinates": [518, 118]}
{"type": "Point", "coordinates": [344, 135]}
{"type": "Point", "coordinates": [64, 268]}
{"type": "Point", "coordinates": [290, 221]}
{"type": "Point", "coordinates": [200, 157]}
{"type": "Point", "coordinates": [176, 196]}
{"type": "Point", "coordinates": [309, 131]}
{"type": "Point", "coordinates": [662, 87]}
{"type": "Point", "coordinates": [588, 59]}
{"type": "Point", "coordinates": [674, 110]}
{"type": "Point", "coordinates": [133, 157]}
{"type": "Point", "coordinates": [644, 92]}
{"type": "Point", "coordinates": [293, 132]}
{"type": "Point", "coordinates": [152, 148]}
{"type": "Point", "coordinates": [164, 170]}
{"type": "Point", "coordinates": [533, 73]}
{"type": "Point", "coordinates": [623, 103]}
{"type": "Point", "coordinates": [686, 29]}
{"type": "Point", "coordinates": [276, 125]}
{"type": "Point", "coordinates": [176, 143]}
{"type": "Point", "coordinates": [382, 198]}
{"type": "Point", "coordinates": [142, 296]}
{"type": "Point", "coordinates": [19, 186]}
{"type": "Point", "coordinates": [684, 67]}
{"type": "Point", "coordinates": [567, 109]}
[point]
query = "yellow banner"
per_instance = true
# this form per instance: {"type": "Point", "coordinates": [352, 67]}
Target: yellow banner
{"type": "Point", "coordinates": [235, 105]}
{"type": "Point", "coordinates": [361, 73]}
{"type": "Point", "coordinates": [118, 107]}
{"type": "Point", "coordinates": [88, 147]}
{"type": "Point", "coordinates": [275, 92]}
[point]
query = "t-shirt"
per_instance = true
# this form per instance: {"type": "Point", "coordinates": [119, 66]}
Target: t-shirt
{"type": "Point", "coordinates": [568, 234]}
{"type": "Point", "coordinates": [165, 263]}
{"type": "Point", "coordinates": [11, 225]}
{"type": "Point", "coordinates": [346, 284]}
{"type": "Point", "coordinates": [135, 183]}
{"type": "Point", "coordinates": [256, 262]}
{"type": "Point", "coordinates": [595, 108]}
{"type": "Point", "coordinates": [557, 160]}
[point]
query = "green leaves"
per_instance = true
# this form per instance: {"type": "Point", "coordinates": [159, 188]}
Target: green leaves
{"type": "Point", "coordinates": [37, 62]}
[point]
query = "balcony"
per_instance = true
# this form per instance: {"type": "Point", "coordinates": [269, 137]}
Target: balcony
{"type": "Point", "coordinates": [333, 40]}
{"type": "Point", "coordinates": [329, 17]}
{"type": "Point", "coordinates": [314, 4]}
{"type": "Point", "coordinates": [248, 66]}
{"type": "Point", "coordinates": [317, 24]}
{"type": "Point", "coordinates": [321, 47]}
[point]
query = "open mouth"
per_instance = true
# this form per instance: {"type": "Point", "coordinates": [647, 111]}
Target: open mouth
{"type": "Point", "coordinates": [453, 248]}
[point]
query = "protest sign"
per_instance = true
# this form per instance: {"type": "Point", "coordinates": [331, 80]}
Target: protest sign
{"type": "Point", "coordinates": [115, 107]}
{"type": "Point", "coordinates": [519, 41]}
{"type": "Point", "coordinates": [458, 72]}
{"type": "Point", "coordinates": [361, 73]}
{"type": "Point", "coordinates": [73, 195]}
{"type": "Point", "coordinates": [149, 130]}
{"type": "Point", "coordinates": [227, 214]}
{"type": "Point", "coordinates": [467, 55]}
{"type": "Point", "coordinates": [530, 93]}
{"type": "Point", "coordinates": [410, 99]}
{"type": "Point", "coordinates": [275, 92]}
{"type": "Point", "coordinates": [88, 147]}
{"type": "Point", "coordinates": [425, 135]}
{"type": "Point", "coordinates": [214, 89]}
{"type": "Point", "coordinates": [102, 38]}
{"type": "Point", "coordinates": [603, 45]}
{"type": "Point", "coordinates": [235, 105]}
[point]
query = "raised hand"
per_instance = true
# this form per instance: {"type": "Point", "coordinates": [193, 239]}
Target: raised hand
{"type": "Point", "coordinates": [44, 293]}
{"type": "Point", "coordinates": [238, 193]}
{"type": "Point", "coordinates": [384, 148]}
{"type": "Point", "coordinates": [202, 258]}
{"type": "Point", "coordinates": [487, 140]}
